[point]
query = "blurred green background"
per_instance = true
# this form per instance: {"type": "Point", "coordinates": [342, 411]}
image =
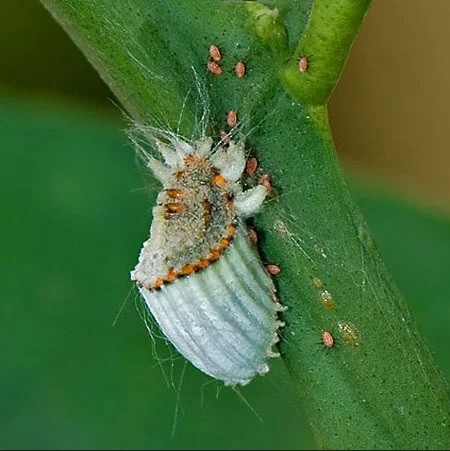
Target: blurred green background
{"type": "Point", "coordinates": [76, 208]}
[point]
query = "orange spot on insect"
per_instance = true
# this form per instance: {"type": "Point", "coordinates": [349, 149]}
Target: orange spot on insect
{"type": "Point", "coordinates": [171, 275]}
{"type": "Point", "coordinates": [232, 229]}
{"type": "Point", "coordinates": [252, 164]}
{"type": "Point", "coordinates": [240, 69]}
{"type": "Point", "coordinates": [214, 255]}
{"type": "Point", "coordinates": [303, 64]}
{"type": "Point", "coordinates": [158, 283]}
{"type": "Point", "coordinates": [264, 180]}
{"type": "Point", "coordinates": [231, 118]}
{"type": "Point", "coordinates": [224, 243]}
{"type": "Point", "coordinates": [175, 193]}
{"type": "Point", "coordinates": [214, 68]}
{"type": "Point", "coordinates": [328, 340]}
{"type": "Point", "coordinates": [273, 269]}
{"type": "Point", "coordinates": [203, 263]}
{"type": "Point", "coordinates": [215, 53]}
{"type": "Point", "coordinates": [187, 269]}
{"type": "Point", "coordinates": [219, 180]}
{"type": "Point", "coordinates": [175, 208]}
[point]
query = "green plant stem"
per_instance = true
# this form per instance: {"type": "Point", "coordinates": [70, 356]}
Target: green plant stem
{"type": "Point", "coordinates": [378, 388]}
{"type": "Point", "coordinates": [325, 42]}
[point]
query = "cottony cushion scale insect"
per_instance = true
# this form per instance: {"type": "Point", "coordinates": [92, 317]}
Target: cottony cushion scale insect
{"type": "Point", "coordinates": [199, 273]}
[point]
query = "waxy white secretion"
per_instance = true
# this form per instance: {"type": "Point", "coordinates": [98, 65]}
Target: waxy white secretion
{"type": "Point", "coordinates": [199, 273]}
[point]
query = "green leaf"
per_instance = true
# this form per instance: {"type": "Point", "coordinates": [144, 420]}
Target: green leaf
{"type": "Point", "coordinates": [380, 388]}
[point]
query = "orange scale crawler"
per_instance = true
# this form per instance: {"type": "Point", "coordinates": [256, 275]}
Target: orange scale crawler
{"type": "Point", "coordinates": [231, 119]}
{"type": "Point", "coordinates": [214, 68]}
{"type": "Point", "coordinates": [303, 64]}
{"type": "Point", "coordinates": [251, 166]}
{"type": "Point", "coordinates": [240, 69]}
{"type": "Point", "coordinates": [327, 339]}
{"type": "Point", "coordinates": [214, 52]}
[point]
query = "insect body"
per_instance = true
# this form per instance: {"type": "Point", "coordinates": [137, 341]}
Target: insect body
{"type": "Point", "coordinates": [303, 64]}
{"type": "Point", "coordinates": [199, 273]}
{"type": "Point", "coordinates": [327, 339]}
{"type": "Point", "coordinates": [214, 68]}
{"type": "Point", "coordinates": [240, 69]}
{"type": "Point", "coordinates": [214, 52]}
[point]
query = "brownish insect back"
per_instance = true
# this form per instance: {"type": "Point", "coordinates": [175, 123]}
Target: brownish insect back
{"type": "Point", "coordinates": [231, 118]}
{"type": "Point", "coordinates": [240, 69]}
{"type": "Point", "coordinates": [303, 64]}
{"type": "Point", "coordinates": [328, 340]}
{"type": "Point", "coordinates": [214, 68]}
{"type": "Point", "coordinates": [273, 269]}
{"type": "Point", "coordinates": [252, 164]}
{"type": "Point", "coordinates": [215, 53]}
